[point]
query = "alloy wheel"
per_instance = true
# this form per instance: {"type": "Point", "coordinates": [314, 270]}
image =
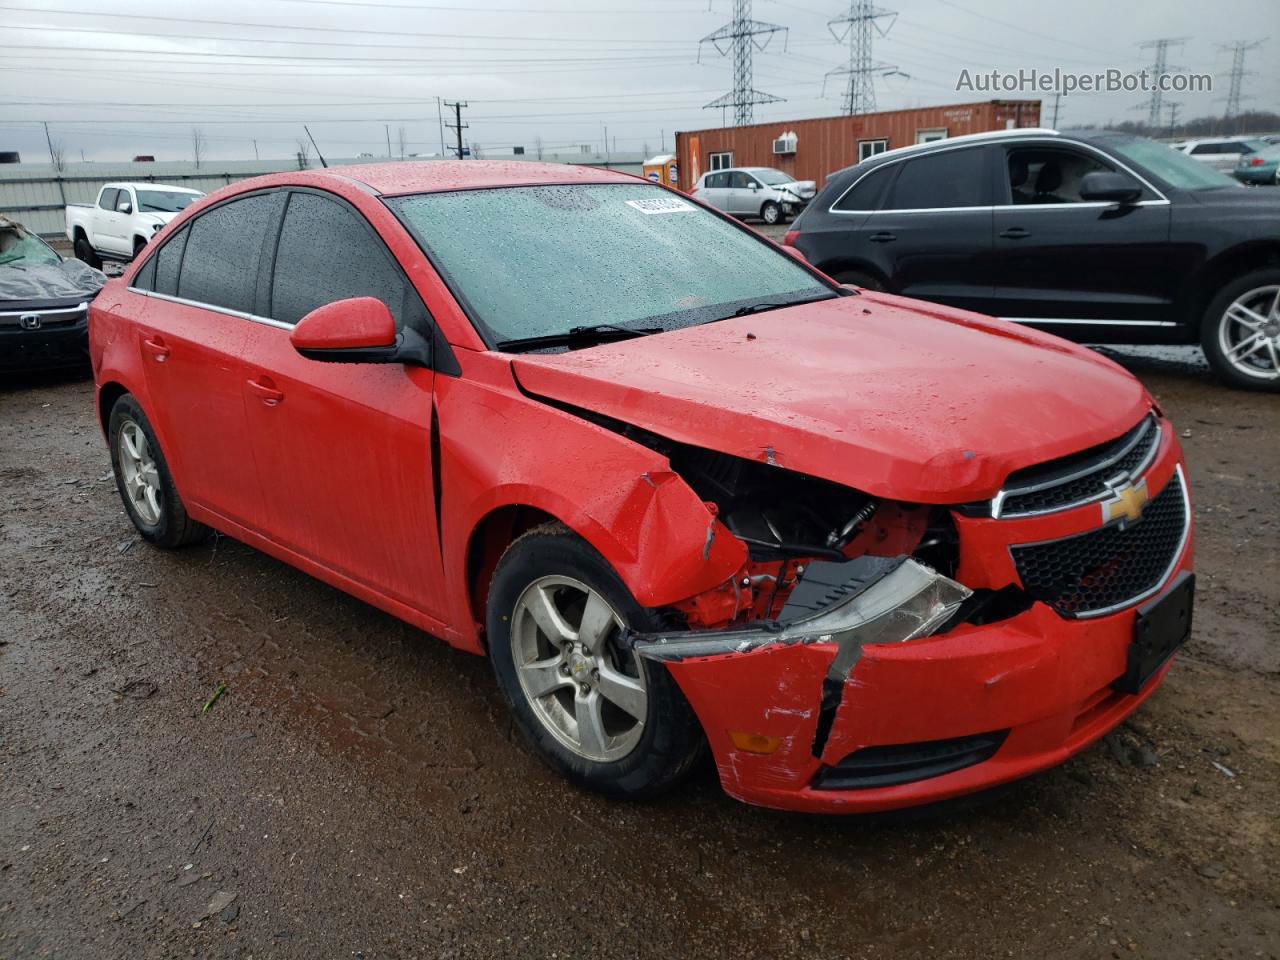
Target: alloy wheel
{"type": "Point", "coordinates": [1249, 333]}
{"type": "Point", "coordinates": [139, 472]}
{"type": "Point", "coordinates": [584, 689]}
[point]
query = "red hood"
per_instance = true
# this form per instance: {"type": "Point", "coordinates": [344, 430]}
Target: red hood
{"type": "Point", "coordinates": [901, 399]}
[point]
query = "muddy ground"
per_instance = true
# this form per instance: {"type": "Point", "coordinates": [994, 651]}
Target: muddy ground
{"type": "Point", "coordinates": [359, 792]}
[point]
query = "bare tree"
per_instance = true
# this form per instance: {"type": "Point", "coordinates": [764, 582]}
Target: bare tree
{"type": "Point", "coordinates": [477, 153]}
{"type": "Point", "coordinates": [304, 154]}
{"type": "Point", "coordinates": [198, 143]}
{"type": "Point", "coordinates": [57, 154]}
{"type": "Point", "coordinates": [402, 142]}
{"type": "Point", "coordinates": [537, 147]}
{"type": "Point", "coordinates": [645, 151]}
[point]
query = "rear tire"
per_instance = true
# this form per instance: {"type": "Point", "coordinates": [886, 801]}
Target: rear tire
{"type": "Point", "coordinates": [857, 278]}
{"type": "Point", "coordinates": [84, 251]}
{"type": "Point", "coordinates": [1240, 331]}
{"type": "Point", "coordinates": [547, 585]}
{"type": "Point", "coordinates": [771, 213]}
{"type": "Point", "coordinates": [143, 480]}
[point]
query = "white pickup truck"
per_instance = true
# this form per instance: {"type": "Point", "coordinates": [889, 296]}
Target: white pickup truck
{"type": "Point", "coordinates": [123, 220]}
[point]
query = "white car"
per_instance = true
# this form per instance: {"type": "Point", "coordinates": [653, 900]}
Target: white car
{"type": "Point", "coordinates": [1221, 152]}
{"type": "Point", "coordinates": [123, 219]}
{"type": "Point", "coordinates": [760, 192]}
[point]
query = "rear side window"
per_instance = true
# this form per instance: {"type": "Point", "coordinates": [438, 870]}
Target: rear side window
{"type": "Point", "coordinates": [866, 193]}
{"type": "Point", "coordinates": [168, 260]}
{"type": "Point", "coordinates": [327, 252]}
{"type": "Point", "coordinates": [107, 199]}
{"type": "Point", "coordinates": [717, 180]}
{"type": "Point", "coordinates": [145, 279]}
{"type": "Point", "coordinates": [950, 178]}
{"type": "Point", "coordinates": [220, 267]}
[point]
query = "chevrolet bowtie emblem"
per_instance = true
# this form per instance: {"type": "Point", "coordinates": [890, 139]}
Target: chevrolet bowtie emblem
{"type": "Point", "coordinates": [1127, 502]}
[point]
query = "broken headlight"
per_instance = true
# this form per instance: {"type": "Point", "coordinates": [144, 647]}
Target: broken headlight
{"type": "Point", "coordinates": [851, 604]}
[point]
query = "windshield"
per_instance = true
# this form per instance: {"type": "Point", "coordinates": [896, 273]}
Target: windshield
{"type": "Point", "coordinates": [165, 201]}
{"type": "Point", "coordinates": [772, 178]}
{"type": "Point", "coordinates": [17, 245]}
{"type": "Point", "coordinates": [542, 261]}
{"type": "Point", "coordinates": [1173, 167]}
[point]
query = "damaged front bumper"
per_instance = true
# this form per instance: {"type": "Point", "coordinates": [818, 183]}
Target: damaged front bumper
{"type": "Point", "coordinates": [865, 706]}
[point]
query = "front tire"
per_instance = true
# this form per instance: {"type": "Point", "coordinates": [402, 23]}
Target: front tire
{"type": "Point", "coordinates": [857, 278]}
{"type": "Point", "coordinates": [144, 482]}
{"type": "Point", "coordinates": [84, 251]}
{"type": "Point", "coordinates": [593, 711]}
{"type": "Point", "coordinates": [1240, 331]}
{"type": "Point", "coordinates": [771, 213]}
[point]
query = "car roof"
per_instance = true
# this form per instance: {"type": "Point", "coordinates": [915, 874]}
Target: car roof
{"type": "Point", "coordinates": [428, 176]}
{"type": "Point", "coordinates": [1018, 133]}
{"type": "Point", "coordinates": [147, 185]}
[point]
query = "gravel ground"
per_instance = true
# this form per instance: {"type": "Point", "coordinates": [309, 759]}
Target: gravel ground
{"type": "Point", "coordinates": [357, 791]}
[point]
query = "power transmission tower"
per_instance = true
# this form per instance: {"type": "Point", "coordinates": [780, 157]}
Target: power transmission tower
{"type": "Point", "coordinates": [1174, 106]}
{"type": "Point", "coordinates": [738, 37]}
{"type": "Point", "coordinates": [1159, 69]}
{"type": "Point", "coordinates": [858, 26]}
{"type": "Point", "coordinates": [1237, 73]}
{"type": "Point", "coordinates": [457, 126]}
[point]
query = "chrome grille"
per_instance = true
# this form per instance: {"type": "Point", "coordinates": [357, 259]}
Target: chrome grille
{"type": "Point", "coordinates": [1081, 478]}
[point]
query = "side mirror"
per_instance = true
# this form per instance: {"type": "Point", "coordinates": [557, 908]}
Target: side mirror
{"type": "Point", "coordinates": [1109, 187]}
{"type": "Point", "coordinates": [124, 206]}
{"type": "Point", "coordinates": [753, 185]}
{"type": "Point", "coordinates": [358, 330]}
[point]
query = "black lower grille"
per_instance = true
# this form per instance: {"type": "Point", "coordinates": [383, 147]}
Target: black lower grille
{"type": "Point", "coordinates": [888, 766]}
{"type": "Point", "coordinates": [1110, 566]}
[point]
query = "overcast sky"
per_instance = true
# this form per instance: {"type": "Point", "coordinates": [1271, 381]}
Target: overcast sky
{"type": "Point", "coordinates": [136, 79]}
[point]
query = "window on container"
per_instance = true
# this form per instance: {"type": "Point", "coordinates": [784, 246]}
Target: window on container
{"type": "Point", "coordinates": [869, 148]}
{"type": "Point", "coordinates": [931, 134]}
{"type": "Point", "coordinates": [720, 161]}
{"type": "Point", "coordinates": [950, 178]}
{"type": "Point", "coordinates": [220, 266]}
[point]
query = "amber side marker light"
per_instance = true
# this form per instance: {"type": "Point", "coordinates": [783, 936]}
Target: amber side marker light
{"type": "Point", "coordinates": [754, 742]}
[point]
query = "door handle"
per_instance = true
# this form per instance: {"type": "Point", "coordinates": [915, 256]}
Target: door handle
{"type": "Point", "coordinates": [267, 393]}
{"type": "Point", "coordinates": [882, 237]}
{"type": "Point", "coordinates": [159, 349]}
{"type": "Point", "coordinates": [1015, 233]}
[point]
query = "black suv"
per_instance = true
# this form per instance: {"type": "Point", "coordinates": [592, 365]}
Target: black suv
{"type": "Point", "coordinates": [1098, 237]}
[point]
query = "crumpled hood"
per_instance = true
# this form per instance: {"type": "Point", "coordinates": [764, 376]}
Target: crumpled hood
{"type": "Point", "coordinates": [801, 188]}
{"type": "Point", "coordinates": [49, 281]}
{"type": "Point", "coordinates": [901, 399]}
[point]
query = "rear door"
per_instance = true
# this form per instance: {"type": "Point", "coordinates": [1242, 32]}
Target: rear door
{"type": "Point", "coordinates": [344, 451]}
{"type": "Point", "coordinates": [715, 190]}
{"type": "Point", "coordinates": [202, 291]}
{"type": "Point", "coordinates": [932, 232]}
{"type": "Point", "coordinates": [1058, 258]}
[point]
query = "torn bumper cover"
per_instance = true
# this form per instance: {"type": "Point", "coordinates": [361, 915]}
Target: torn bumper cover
{"type": "Point", "coordinates": [878, 699]}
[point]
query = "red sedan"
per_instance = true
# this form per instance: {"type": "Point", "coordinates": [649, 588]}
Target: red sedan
{"type": "Point", "coordinates": [682, 489]}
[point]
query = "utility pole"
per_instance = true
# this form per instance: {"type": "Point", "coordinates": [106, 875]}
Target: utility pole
{"type": "Point", "coordinates": [255, 150]}
{"type": "Point", "coordinates": [1174, 106]}
{"type": "Point", "coordinates": [440, 120]}
{"type": "Point", "coordinates": [738, 37]}
{"type": "Point", "coordinates": [1159, 70]}
{"type": "Point", "coordinates": [55, 160]}
{"type": "Point", "coordinates": [457, 124]}
{"type": "Point", "coordinates": [1057, 102]}
{"type": "Point", "coordinates": [858, 24]}
{"type": "Point", "coordinates": [1237, 73]}
{"type": "Point", "coordinates": [387, 128]}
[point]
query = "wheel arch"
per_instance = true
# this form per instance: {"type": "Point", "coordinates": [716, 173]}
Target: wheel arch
{"type": "Point", "coordinates": [108, 394]}
{"type": "Point", "coordinates": [487, 542]}
{"type": "Point", "coordinates": [838, 265]}
{"type": "Point", "coordinates": [1221, 270]}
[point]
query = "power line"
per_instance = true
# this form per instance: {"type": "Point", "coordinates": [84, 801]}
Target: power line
{"type": "Point", "coordinates": [457, 126]}
{"type": "Point", "coordinates": [862, 18]}
{"type": "Point", "coordinates": [740, 34]}
{"type": "Point", "coordinates": [1159, 70]}
{"type": "Point", "coordinates": [1237, 73]}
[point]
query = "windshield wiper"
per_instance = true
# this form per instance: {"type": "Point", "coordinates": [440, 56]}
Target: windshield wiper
{"type": "Point", "coordinates": [585, 335]}
{"type": "Point", "coordinates": [751, 308]}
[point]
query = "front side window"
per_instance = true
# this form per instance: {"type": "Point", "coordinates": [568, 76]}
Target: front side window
{"type": "Point", "coordinates": [220, 266]}
{"type": "Point", "coordinates": [950, 178]}
{"type": "Point", "coordinates": [1039, 176]}
{"type": "Point", "coordinates": [719, 161]}
{"type": "Point", "coordinates": [165, 201]}
{"type": "Point", "coordinates": [740, 181]}
{"type": "Point", "coordinates": [542, 261]}
{"type": "Point", "coordinates": [327, 254]}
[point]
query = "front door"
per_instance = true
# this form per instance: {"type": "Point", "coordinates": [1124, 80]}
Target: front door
{"type": "Point", "coordinates": [344, 451]}
{"type": "Point", "coordinates": [1059, 258]}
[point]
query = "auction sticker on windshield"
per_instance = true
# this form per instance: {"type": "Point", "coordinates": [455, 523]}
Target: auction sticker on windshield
{"type": "Point", "coordinates": [660, 205]}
